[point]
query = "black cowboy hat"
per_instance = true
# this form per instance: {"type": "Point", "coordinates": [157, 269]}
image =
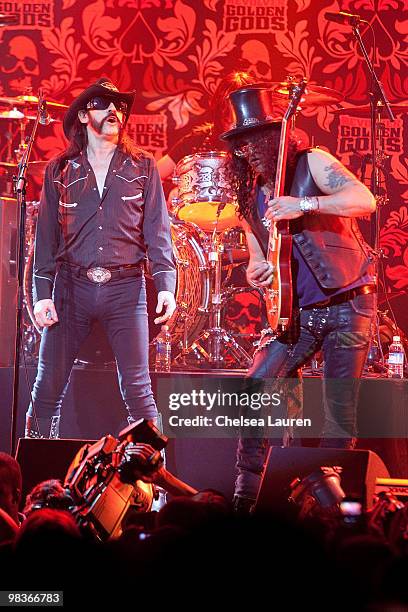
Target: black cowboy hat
{"type": "Point", "coordinates": [252, 108]}
{"type": "Point", "coordinates": [102, 87]}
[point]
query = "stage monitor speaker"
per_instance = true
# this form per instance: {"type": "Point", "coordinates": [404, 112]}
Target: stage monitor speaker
{"type": "Point", "coordinates": [8, 279]}
{"type": "Point", "coordinates": [361, 468]}
{"type": "Point", "coordinates": [43, 459]}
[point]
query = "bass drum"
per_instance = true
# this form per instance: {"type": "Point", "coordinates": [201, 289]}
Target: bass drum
{"type": "Point", "coordinates": [192, 289]}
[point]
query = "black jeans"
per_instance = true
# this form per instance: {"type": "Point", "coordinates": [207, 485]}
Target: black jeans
{"type": "Point", "coordinates": [120, 306]}
{"type": "Point", "coordinates": [343, 334]}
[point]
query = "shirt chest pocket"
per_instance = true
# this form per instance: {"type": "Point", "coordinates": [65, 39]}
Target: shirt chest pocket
{"type": "Point", "coordinates": [131, 189]}
{"type": "Point", "coordinates": [70, 192]}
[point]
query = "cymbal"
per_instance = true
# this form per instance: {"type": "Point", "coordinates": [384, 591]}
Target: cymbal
{"type": "Point", "coordinates": [12, 114]}
{"type": "Point", "coordinates": [365, 110]}
{"type": "Point", "coordinates": [35, 168]}
{"type": "Point", "coordinates": [315, 95]}
{"type": "Point", "coordinates": [16, 115]}
{"type": "Point", "coordinates": [30, 101]}
{"type": "Point", "coordinates": [51, 119]}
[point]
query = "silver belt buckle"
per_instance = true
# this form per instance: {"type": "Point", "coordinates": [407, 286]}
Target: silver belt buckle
{"type": "Point", "coordinates": [99, 275]}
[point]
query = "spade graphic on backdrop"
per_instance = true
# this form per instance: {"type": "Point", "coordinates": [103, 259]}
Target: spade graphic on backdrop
{"type": "Point", "coordinates": [138, 41]}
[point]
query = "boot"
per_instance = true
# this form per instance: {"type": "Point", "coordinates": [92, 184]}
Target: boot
{"type": "Point", "coordinates": [42, 427]}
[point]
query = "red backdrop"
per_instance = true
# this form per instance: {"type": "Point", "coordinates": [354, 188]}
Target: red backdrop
{"type": "Point", "coordinates": [174, 53]}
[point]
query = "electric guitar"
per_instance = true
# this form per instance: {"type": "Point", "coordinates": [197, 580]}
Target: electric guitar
{"type": "Point", "coordinates": [278, 296]}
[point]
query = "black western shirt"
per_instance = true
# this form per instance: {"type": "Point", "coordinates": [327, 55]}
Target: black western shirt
{"type": "Point", "coordinates": [77, 226]}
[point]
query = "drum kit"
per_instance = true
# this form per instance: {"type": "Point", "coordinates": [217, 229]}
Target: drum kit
{"type": "Point", "coordinates": [208, 242]}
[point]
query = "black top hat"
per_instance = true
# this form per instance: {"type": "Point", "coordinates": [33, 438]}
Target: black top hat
{"type": "Point", "coordinates": [102, 87]}
{"type": "Point", "coordinates": [252, 107]}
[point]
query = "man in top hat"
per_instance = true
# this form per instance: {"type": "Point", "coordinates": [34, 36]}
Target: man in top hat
{"type": "Point", "coordinates": [102, 211]}
{"type": "Point", "coordinates": [333, 278]}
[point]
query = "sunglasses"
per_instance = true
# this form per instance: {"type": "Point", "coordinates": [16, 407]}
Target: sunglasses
{"type": "Point", "coordinates": [102, 103]}
{"type": "Point", "coordinates": [244, 149]}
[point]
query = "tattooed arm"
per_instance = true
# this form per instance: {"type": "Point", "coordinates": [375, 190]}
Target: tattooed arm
{"type": "Point", "coordinates": [345, 195]}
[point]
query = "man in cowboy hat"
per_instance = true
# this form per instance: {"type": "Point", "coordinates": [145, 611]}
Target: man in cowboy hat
{"type": "Point", "coordinates": [332, 270]}
{"type": "Point", "coordinates": [102, 211]}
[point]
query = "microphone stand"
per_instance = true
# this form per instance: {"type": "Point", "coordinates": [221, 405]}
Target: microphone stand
{"type": "Point", "coordinates": [378, 101]}
{"type": "Point", "coordinates": [20, 188]}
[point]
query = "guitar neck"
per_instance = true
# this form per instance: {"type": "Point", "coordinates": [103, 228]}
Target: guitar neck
{"type": "Point", "coordinates": [279, 186]}
{"type": "Point", "coordinates": [281, 161]}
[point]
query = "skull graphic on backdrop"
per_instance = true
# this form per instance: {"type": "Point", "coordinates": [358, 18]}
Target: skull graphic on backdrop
{"type": "Point", "coordinates": [19, 66]}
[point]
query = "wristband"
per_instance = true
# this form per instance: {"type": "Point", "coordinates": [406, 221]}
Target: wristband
{"type": "Point", "coordinates": [309, 205]}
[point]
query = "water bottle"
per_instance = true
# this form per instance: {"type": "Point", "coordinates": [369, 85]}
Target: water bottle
{"type": "Point", "coordinates": [163, 350]}
{"type": "Point", "coordinates": [396, 358]}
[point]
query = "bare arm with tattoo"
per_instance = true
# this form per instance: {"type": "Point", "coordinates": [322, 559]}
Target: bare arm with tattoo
{"type": "Point", "coordinates": [345, 195]}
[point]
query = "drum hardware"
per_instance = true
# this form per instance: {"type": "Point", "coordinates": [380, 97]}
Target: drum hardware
{"type": "Point", "coordinates": [14, 114]}
{"type": "Point", "coordinates": [206, 202]}
{"type": "Point", "coordinates": [20, 106]}
{"type": "Point", "coordinates": [218, 341]}
{"type": "Point", "coordinates": [29, 101]}
{"type": "Point", "coordinates": [183, 309]}
{"type": "Point", "coordinates": [315, 95]}
{"type": "Point", "coordinates": [20, 188]}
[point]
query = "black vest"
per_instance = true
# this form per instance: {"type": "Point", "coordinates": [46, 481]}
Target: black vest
{"type": "Point", "coordinates": [332, 246]}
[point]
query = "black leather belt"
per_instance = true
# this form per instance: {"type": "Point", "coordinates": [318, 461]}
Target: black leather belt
{"type": "Point", "coordinates": [345, 296]}
{"type": "Point", "coordinates": [102, 275]}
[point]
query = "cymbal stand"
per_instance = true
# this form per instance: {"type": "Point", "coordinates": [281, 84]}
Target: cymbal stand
{"type": "Point", "coordinates": [378, 102]}
{"type": "Point", "coordinates": [22, 145]}
{"type": "Point", "coordinates": [219, 342]}
{"type": "Point", "coordinates": [20, 190]}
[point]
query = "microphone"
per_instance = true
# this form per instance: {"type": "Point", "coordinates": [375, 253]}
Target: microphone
{"type": "Point", "coordinates": [6, 20]}
{"type": "Point", "coordinates": [45, 117]}
{"type": "Point", "coordinates": [344, 18]}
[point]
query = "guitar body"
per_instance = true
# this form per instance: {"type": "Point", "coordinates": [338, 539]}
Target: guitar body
{"type": "Point", "coordinates": [279, 295]}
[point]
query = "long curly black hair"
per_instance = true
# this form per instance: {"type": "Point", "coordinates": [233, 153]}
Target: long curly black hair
{"type": "Point", "coordinates": [243, 177]}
